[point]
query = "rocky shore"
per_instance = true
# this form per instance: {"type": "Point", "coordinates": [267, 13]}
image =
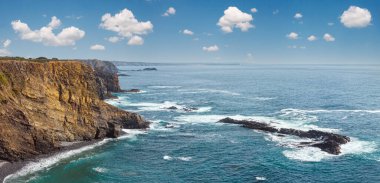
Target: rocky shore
{"type": "Point", "coordinates": [46, 103]}
{"type": "Point", "coordinates": [328, 142]}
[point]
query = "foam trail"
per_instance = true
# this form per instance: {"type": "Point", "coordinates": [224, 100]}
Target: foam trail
{"type": "Point", "coordinates": [312, 154]}
{"type": "Point", "coordinates": [45, 163]}
{"type": "Point", "coordinates": [261, 178]}
{"type": "Point", "coordinates": [164, 87]}
{"type": "Point", "coordinates": [278, 123]}
{"type": "Point", "coordinates": [376, 111]}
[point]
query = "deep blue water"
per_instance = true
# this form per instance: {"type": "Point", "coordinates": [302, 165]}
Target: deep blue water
{"type": "Point", "coordinates": [343, 99]}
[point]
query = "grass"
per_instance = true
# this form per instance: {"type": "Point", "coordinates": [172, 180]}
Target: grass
{"type": "Point", "coordinates": [3, 79]}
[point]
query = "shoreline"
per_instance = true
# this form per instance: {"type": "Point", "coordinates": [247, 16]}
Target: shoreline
{"type": "Point", "coordinates": [8, 168]}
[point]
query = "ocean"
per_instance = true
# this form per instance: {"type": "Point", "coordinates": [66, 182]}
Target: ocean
{"type": "Point", "coordinates": [191, 146]}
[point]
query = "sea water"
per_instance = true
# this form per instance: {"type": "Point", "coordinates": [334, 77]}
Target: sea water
{"type": "Point", "coordinates": [183, 146]}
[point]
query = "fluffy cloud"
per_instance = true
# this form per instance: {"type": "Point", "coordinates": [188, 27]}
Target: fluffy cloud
{"type": "Point", "coordinates": [234, 18]}
{"type": "Point", "coordinates": [298, 16]}
{"type": "Point", "coordinates": [254, 10]}
{"type": "Point", "coordinates": [356, 17]}
{"type": "Point", "coordinates": [188, 32]}
{"type": "Point", "coordinates": [136, 40]}
{"type": "Point", "coordinates": [292, 36]}
{"type": "Point", "coordinates": [6, 43]}
{"type": "Point", "coordinates": [4, 51]}
{"type": "Point", "coordinates": [211, 48]}
{"type": "Point", "coordinates": [113, 39]}
{"type": "Point", "coordinates": [312, 38]}
{"type": "Point", "coordinates": [329, 38]}
{"type": "Point", "coordinates": [170, 11]}
{"type": "Point", "coordinates": [67, 37]}
{"type": "Point", "coordinates": [97, 47]}
{"type": "Point", "coordinates": [126, 25]}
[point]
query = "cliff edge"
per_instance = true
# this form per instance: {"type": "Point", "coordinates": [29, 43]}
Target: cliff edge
{"type": "Point", "coordinates": [45, 103]}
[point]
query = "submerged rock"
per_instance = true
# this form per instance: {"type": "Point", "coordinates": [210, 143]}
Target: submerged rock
{"type": "Point", "coordinates": [133, 91]}
{"type": "Point", "coordinates": [328, 142]}
{"type": "Point", "coordinates": [173, 108]}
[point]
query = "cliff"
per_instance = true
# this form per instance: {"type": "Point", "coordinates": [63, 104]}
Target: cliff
{"type": "Point", "coordinates": [45, 103]}
{"type": "Point", "coordinates": [107, 77]}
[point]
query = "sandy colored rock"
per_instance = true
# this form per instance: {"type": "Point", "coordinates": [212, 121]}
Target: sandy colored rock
{"type": "Point", "coordinates": [42, 104]}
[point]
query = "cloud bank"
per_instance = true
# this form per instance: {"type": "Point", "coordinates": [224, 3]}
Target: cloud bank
{"type": "Point", "coordinates": [67, 37]}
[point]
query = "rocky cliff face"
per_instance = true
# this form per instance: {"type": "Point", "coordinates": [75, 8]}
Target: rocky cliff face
{"type": "Point", "coordinates": [42, 104]}
{"type": "Point", "coordinates": [107, 77]}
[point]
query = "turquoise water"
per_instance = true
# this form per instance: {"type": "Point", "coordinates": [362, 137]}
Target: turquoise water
{"type": "Point", "coordinates": [342, 99]}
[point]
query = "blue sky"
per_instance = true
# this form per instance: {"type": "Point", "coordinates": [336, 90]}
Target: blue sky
{"type": "Point", "coordinates": [267, 40]}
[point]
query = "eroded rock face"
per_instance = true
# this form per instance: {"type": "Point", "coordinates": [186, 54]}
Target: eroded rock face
{"type": "Point", "coordinates": [107, 77]}
{"type": "Point", "coordinates": [42, 104]}
{"type": "Point", "coordinates": [328, 142]}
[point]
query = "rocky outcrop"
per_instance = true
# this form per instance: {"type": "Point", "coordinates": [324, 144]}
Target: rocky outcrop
{"type": "Point", "coordinates": [107, 76]}
{"type": "Point", "coordinates": [45, 103]}
{"type": "Point", "coordinates": [328, 142]}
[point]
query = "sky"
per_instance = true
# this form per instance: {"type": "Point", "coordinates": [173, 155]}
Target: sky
{"type": "Point", "coordinates": [194, 31]}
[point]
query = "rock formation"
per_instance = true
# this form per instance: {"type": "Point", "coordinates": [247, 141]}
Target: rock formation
{"type": "Point", "coordinates": [328, 142]}
{"type": "Point", "coordinates": [107, 76]}
{"type": "Point", "coordinates": [45, 103]}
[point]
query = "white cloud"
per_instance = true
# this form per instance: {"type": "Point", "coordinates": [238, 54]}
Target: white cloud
{"type": "Point", "coordinates": [275, 12]}
{"type": "Point", "coordinates": [125, 24]}
{"type": "Point", "coordinates": [292, 36]}
{"type": "Point", "coordinates": [298, 16]}
{"type": "Point", "coordinates": [97, 47]}
{"type": "Point", "coordinates": [188, 32]}
{"type": "Point", "coordinates": [6, 43]}
{"type": "Point", "coordinates": [234, 18]}
{"type": "Point", "coordinates": [170, 11]}
{"type": "Point", "coordinates": [136, 40]}
{"type": "Point", "coordinates": [312, 38]}
{"type": "Point", "coordinates": [4, 52]}
{"type": "Point", "coordinates": [356, 17]}
{"type": "Point", "coordinates": [113, 39]}
{"type": "Point", "coordinates": [67, 37]}
{"type": "Point", "coordinates": [211, 48]}
{"type": "Point", "coordinates": [330, 24]}
{"type": "Point", "coordinates": [254, 10]}
{"type": "Point", "coordinates": [329, 38]}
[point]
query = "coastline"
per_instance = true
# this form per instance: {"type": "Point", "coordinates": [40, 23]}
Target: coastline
{"type": "Point", "coordinates": [8, 168]}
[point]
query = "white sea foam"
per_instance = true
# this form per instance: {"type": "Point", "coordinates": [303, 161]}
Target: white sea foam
{"type": "Point", "coordinates": [46, 163]}
{"type": "Point", "coordinates": [156, 126]}
{"type": "Point", "coordinates": [195, 91]}
{"type": "Point", "coordinates": [312, 154]}
{"type": "Point", "coordinates": [166, 157]}
{"type": "Point", "coordinates": [375, 111]}
{"type": "Point", "coordinates": [169, 158]}
{"type": "Point", "coordinates": [100, 169]}
{"type": "Point", "coordinates": [184, 158]}
{"type": "Point", "coordinates": [164, 106]}
{"type": "Point", "coordinates": [263, 98]}
{"type": "Point", "coordinates": [164, 87]}
{"type": "Point", "coordinates": [278, 123]}
{"type": "Point", "coordinates": [261, 178]}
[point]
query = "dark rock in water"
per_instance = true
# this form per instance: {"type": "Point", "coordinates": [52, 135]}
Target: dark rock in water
{"type": "Point", "coordinates": [189, 109]}
{"type": "Point", "coordinates": [150, 69]}
{"type": "Point", "coordinates": [328, 142]}
{"type": "Point", "coordinates": [172, 108]}
{"type": "Point", "coordinates": [123, 75]}
{"type": "Point", "coordinates": [133, 91]}
{"type": "Point", "coordinates": [329, 146]}
{"type": "Point", "coordinates": [250, 124]}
